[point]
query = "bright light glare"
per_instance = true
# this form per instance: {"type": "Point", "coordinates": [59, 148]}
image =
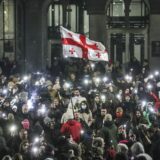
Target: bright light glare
{"type": "Point", "coordinates": [42, 109]}
{"type": "Point", "coordinates": [135, 91]}
{"type": "Point", "coordinates": [67, 85]}
{"type": "Point", "coordinates": [36, 140]}
{"type": "Point", "coordinates": [156, 73]}
{"type": "Point", "coordinates": [103, 97]}
{"type": "Point", "coordinates": [13, 128]}
{"type": "Point", "coordinates": [149, 86]}
{"type": "Point", "coordinates": [151, 110]}
{"type": "Point", "coordinates": [118, 96]}
{"type": "Point", "coordinates": [151, 76]}
{"type": "Point", "coordinates": [82, 131]}
{"type": "Point", "coordinates": [105, 79]}
{"type": "Point", "coordinates": [4, 91]}
{"type": "Point", "coordinates": [92, 65]}
{"type": "Point", "coordinates": [128, 78]}
{"type": "Point", "coordinates": [98, 79]}
{"type": "Point", "coordinates": [37, 83]}
{"type": "Point", "coordinates": [30, 104]}
{"type": "Point", "coordinates": [144, 103]}
{"type": "Point", "coordinates": [25, 78]}
{"type": "Point", "coordinates": [34, 149]}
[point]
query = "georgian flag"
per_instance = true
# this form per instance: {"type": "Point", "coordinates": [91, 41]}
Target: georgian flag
{"type": "Point", "coordinates": [78, 46]}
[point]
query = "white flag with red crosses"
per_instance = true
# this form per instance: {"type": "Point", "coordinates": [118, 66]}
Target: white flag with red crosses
{"type": "Point", "coordinates": [79, 46]}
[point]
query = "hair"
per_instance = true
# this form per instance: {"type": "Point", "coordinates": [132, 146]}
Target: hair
{"type": "Point", "coordinates": [137, 148]}
{"type": "Point", "coordinates": [87, 108]}
{"type": "Point", "coordinates": [17, 156]}
{"type": "Point", "coordinates": [143, 156]}
{"type": "Point", "coordinates": [21, 145]}
{"type": "Point", "coordinates": [7, 157]}
{"type": "Point", "coordinates": [122, 148]}
{"type": "Point", "coordinates": [121, 156]}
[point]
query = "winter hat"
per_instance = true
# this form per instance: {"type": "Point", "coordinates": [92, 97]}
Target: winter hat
{"type": "Point", "coordinates": [25, 123]}
{"type": "Point", "coordinates": [48, 83]}
{"type": "Point", "coordinates": [108, 117]}
{"type": "Point", "coordinates": [46, 120]}
{"type": "Point", "coordinates": [7, 157]}
{"type": "Point", "coordinates": [144, 156]}
{"type": "Point", "coordinates": [137, 148]}
{"type": "Point", "coordinates": [14, 107]}
{"type": "Point", "coordinates": [122, 148]}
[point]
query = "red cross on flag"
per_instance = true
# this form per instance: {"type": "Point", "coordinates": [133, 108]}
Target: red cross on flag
{"type": "Point", "coordinates": [79, 46]}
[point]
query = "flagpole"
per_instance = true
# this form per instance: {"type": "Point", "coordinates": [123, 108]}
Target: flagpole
{"type": "Point", "coordinates": [72, 105]}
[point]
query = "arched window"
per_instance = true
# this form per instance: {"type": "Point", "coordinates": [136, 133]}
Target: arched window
{"type": "Point", "coordinates": [7, 29]}
{"type": "Point", "coordinates": [70, 14]}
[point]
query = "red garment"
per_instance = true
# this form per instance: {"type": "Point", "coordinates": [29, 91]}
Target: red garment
{"type": "Point", "coordinates": [157, 101]}
{"type": "Point", "coordinates": [73, 128]}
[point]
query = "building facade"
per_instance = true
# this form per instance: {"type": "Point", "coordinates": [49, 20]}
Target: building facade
{"type": "Point", "coordinates": [29, 29]}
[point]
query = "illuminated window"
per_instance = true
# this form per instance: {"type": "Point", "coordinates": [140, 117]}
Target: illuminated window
{"type": "Point", "coordinates": [7, 29]}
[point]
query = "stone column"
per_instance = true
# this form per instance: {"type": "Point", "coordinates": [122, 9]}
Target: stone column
{"type": "Point", "coordinates": [154, 36]}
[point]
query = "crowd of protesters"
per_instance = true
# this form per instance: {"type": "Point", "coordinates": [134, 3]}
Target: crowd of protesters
{"type": "Point", "coordinates": [80, 110]}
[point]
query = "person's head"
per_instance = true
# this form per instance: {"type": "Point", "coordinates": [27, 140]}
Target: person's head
{"type": "Point", "coordinates": [120, 91]}
{"type": "Point", "coordinates": [111, 88]}
{"type": "Point", "coordinates": [143, 156]}
{"type": "Point", "coordinates": [137, 148]}
{"type": "Point", "coordinates": [127, 91]}
{"type": "Point", "coordinates": [6, 103]}
{"type": "Point", "coordinates": [108, 117]}
{"type": "Point", "coordinates": [52, 123]}
{"type": "Point", "coordinates": [76, 92]}
{"type": "Point", "coordinates": [72, 76]}
{"type": "Point", "coordinates": [138, 114]}
{"type": "Point", "coordinates": [14, 108]}
{"type": "Point", "coordinates": [122, 148]}
{"type": "Point", "coordinates": [76, 115]}
{"type": "Point", "coordinates": [25, 109]}
{"type": "Point", "coordinates": [83, 105]}
{"type": "Point", "coordinates": [10, 117]}
{"type": "Point", "coordinates": [7, 157]}
{"type": "Point", "coordinates": [103, 111]}
{"type": "Point", "coordinates": [24, 146]}
{"type": "Point", "coordinates": [56, 101]}
{"type": "Point", "coordinates": [23, 134]}
{"type": "Point", "coordinates": [25, 123]}
{"type": "Point", "coordinates": [127, 98]}
{"type": "Point", "coordinates": [121, 156]}
{"type": "Point", "coordinates": [97, 99]}
{"type": "Point", "coordinates": [119, 112]}
{"type": "Point", "coordinates": [18, 156]}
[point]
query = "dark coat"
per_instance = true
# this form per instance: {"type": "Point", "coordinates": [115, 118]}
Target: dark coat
{"type": "Point", "coordinates": [109, 133]}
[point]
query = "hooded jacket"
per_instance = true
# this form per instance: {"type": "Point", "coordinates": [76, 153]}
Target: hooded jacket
{"type": "Point", "coordinates": [73, 128]}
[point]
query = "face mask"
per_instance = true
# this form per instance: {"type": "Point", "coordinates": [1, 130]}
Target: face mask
{"type": "Point", "coordinates": [84, 106]}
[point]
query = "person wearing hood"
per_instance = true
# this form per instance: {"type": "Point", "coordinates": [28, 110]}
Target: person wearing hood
{"type": "Point", "coordinates": [3, 145]}
{"type": "Point", "coordinates": [73, 128]}
{"type": "Point", "coordinates": [143, 156]}
{"type": "Point", "coordinates": [137, 148]}
{"type": "Point", "coordinates": [109, 132]}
